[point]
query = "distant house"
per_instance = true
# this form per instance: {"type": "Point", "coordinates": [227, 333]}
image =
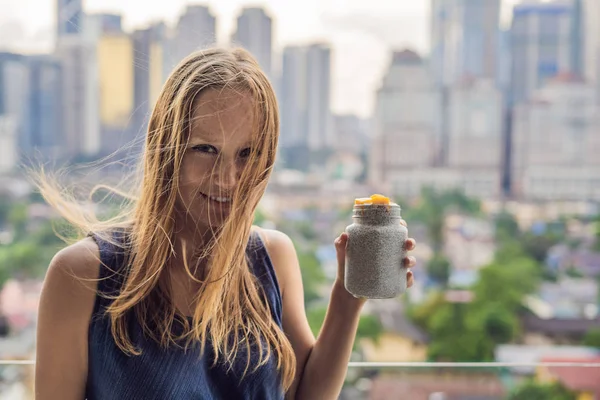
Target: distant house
{"type": "Point", "coordinates": [585, 381]}
{"type": "Point", "coordinates": [556, 330]}
{"type": "Point", "coordinates": [528, 354]}
{"type": "Point", "coordinates": [447, 386]}
{"type": "Point", "coordinates": [401, 340]}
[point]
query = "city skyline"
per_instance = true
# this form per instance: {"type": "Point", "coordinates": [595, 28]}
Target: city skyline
{"type": "Point", "coordinates": [361, 35]}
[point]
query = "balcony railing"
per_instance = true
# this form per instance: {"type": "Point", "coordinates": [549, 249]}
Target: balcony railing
{"type": "Point", "coordinates": [405, 380]}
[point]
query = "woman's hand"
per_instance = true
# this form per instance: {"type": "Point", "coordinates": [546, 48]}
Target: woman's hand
{"type": "Point", "coordinates": [340, 247]}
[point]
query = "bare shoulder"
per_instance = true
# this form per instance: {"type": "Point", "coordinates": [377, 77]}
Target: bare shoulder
{"type": "Point", "coordinates": [72, 277]}
{"type": "Point", "coordinates": [275, 241]}
{"type": "Point", "coordinates": [65, 310]}
{"type": "Point", "coordinates": [79, 261]}
{"type": "Point", "coordinates": [282, 253]}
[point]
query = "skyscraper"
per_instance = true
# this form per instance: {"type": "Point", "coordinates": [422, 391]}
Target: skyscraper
{"type": "Point", "coordinates": [540, 36]}
{"type": "Point", "coordinates": [81, 125]}
{"type": "Point", "coordinates": [196, 29]}
{"type": "Point", "coordinates": [305, 97]}
{"type": "Point", "coordinates": [556, 142]}
{"type": "Point", "coordinates": [465, 35]}
{"type": "Point", "coordinates": [14, 93]}
{"type": "Point", "coordinates": [69, 17]}
{"type": "Point", "coordinates": [318, 93]}
{"type": "Point", "coordinates": [475, 126]}
{"type": "Point", "coordinates": [8, 143]}
{"type": "Point", "coordinates": [293, 102]}
{"type": "Point", "coordinates": [406, 121]}
{"type": "Point", "coordinates": [255, 33]}
{"type": "Point", "coordinates": [147, 75]}
{"type": "Point", "coordinates": [578, 38]}
{"type": "Point", "coordinates": [115, 79]}
{"type": "Point", "coordinates": [591, 12]}
{"type": "Point", "coordinates": [45, 134]}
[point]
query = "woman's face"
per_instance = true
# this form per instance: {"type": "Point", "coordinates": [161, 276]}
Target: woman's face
{"type": "Point", "coordinates": [219, 147]}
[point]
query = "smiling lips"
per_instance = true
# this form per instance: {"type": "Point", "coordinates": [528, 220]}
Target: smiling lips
{"type": "Point", "coordinates": [221, 200]}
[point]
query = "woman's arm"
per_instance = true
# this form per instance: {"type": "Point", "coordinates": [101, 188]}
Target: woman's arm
{"type": "Point", "coordinates": [66, 305]}
{"type": "Point", "coordinates": [321, 363]}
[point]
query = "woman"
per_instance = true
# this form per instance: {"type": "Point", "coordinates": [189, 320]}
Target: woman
{"type": "Point", "coordinates": [181, 297]}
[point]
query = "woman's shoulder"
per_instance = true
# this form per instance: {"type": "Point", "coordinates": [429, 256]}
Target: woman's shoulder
{"type": "Point", "coordinates": [77, 262]}
{"type": "Point", "coordinates": [69, 289]}
{"type": "Point", "coordinates": [282, 253]}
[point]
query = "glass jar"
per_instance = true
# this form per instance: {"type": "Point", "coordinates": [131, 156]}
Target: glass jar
{"type": "Point", "coordinates": [375, 251]}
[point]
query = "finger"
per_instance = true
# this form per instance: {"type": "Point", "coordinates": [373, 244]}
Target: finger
{"type": "Point", "coordinates": [340, 247]}
{"type": "Point", "coordinates": [403, 222]}
{"type": "Point", "coordinates": [409, 262]}
{"type": "Point", "coordinates": [410, 279]}
{"type": "Point", "coordinates": [410, 244]}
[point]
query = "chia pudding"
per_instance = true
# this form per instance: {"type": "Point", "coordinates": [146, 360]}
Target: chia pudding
{"type": "Point", "coordinates": [375, 250]}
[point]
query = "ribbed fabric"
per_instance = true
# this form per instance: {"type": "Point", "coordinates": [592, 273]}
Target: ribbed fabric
{"type": "Point", "coordinates": [173, 374]}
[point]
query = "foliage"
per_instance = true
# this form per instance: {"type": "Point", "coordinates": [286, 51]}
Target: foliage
{"type": "Point", "coordinates": [507, 227]}
{"type": "Point", "coordinates": [592, 338]}
{"type": "Point", "coordinates": [312, 276]}
{"type": "Point", "coordinates": [432, 207]}
{"type": "Point", "coordinates": [438, 269]}
{"type": "Point", "coordinates": [471, 331]}
{"type": "Point", "coordinates": [369, 326]}
{"type": "Point", "coordinates": [532, 390]}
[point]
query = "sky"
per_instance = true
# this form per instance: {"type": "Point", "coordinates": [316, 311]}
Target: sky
{"type": "Point", "coordinates": [362, 33]}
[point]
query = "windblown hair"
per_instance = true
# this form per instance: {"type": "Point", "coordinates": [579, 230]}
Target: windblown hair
{"type": "Point", "coordinates": [230, 308]}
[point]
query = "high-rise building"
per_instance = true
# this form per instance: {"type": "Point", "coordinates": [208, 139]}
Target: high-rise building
{"type": "Point", "coordinates": [540, 36]}
{"type": "Point", "coordinates": [556, 142]}
{"type": "Point", "coordinates": [406, 120]}
{"type": "Point", "coordinates": [147, 75]}
{"type": "Point", "coordinates": [97, 25]}
{"type": "Point", "coordinates": [15, 92]}
{"type": "Point", "coordinates": [196, 29]}
{"type": "Point", "coordinates": [305, 97]}
{"type": "Point", "coordinates": [69, 17]}
{"type": "Point", "coordinates": [318, 110]}
{"type": "Point", "coordinates": [255, 33]}
{"type": "Point", "coordinates": [578, 38]}
{"type": "Point", "coordinates": [8, 143]}
{"type": "Point", "coordinates": [293, 100]}
{"type": "Point", "coordinates": [475, 126]}
{"type": "Point", "coordinates": [81, 125]}
{"type": "Point", "coordinates": [591, 12]}
{"type": "Point", "coordinates": [30, 99]}
{"type": "Point", "coordinates": [115, 79]}
{"type": "Point", "coordinates": [464, 35]}
{"type": "Point", "coordinates": [44, 139]}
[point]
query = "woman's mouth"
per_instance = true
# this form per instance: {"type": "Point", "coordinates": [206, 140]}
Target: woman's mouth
{"type": "Point", "coordinates": [222, 201]}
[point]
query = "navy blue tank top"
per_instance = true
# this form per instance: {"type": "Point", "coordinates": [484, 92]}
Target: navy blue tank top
{"type": "Point", "coordinates": [174, 373]}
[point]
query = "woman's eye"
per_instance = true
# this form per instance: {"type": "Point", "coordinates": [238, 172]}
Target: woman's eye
{"type": "Point", "coordinates": [245, 153]}
{"type": "Point", "coordinates": [205, 148]}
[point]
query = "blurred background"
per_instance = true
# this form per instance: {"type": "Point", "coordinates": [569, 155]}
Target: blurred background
{"type": "Point", "coordinates": [481, 118]}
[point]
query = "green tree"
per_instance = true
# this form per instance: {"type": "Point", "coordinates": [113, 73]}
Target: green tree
{"type": "Point", "coordinates": [507, 283]}
{"type": "Point", "coordinates": [438, 269]}
{"type": "Point", "coordinates": [537, 246]}
{"type": "Point", "coordinates": [369, 326]}
{"type": "Point", "coordinates": [592, 338]}
{"type": "Point", "coordinates": [18, 218]}
{"type": "Point", "coordinates": [6, 205]}
{"type": "Point", "coordinates": [507, 227]}
{"type": "Point", "coordinates": [312, 276]}
{"type": "Point", "coordinates": [531, 390]}
{"type": "Point", "coordinates": [259, 217]}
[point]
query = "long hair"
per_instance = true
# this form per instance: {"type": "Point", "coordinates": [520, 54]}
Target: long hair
{"type": "Point", "coordinates": [230, 307]}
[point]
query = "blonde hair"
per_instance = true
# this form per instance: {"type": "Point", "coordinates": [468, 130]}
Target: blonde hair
{"type": "Point", "coordinates": [230, 304]}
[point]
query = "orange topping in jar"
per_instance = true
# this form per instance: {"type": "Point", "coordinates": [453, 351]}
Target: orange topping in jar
{"type": "Point", "coordinates": [380, 199]}
{"type": "Point", "coordinates": [374, 199]}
